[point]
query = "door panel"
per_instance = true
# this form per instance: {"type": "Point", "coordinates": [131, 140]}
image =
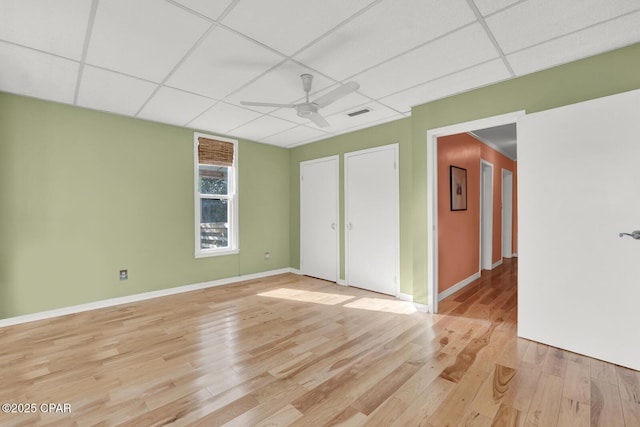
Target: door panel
{"type": "Point", "coordinates": [371, 212]}
{"type": "Point", "coordinates": [579, 186]}
{"type": "Point", "coordinates": [319, 218]}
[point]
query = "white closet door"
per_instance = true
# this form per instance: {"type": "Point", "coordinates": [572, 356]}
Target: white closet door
{"type": "Point", "coordinates": [371, 216]}
{"type": "Point", "coordinates": [319, 218]}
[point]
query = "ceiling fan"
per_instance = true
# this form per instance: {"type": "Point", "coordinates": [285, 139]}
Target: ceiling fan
{"type": "Point", "coordinates": [309, 109]}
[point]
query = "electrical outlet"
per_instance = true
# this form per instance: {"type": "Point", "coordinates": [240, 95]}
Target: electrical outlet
{"type": "Point", "coordinates": [267, 256]}
{"type": "Point", "coordinates": [124, 275]}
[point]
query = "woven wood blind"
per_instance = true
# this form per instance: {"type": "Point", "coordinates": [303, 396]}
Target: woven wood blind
{"type": "Point", "coordinates": [212, 152]}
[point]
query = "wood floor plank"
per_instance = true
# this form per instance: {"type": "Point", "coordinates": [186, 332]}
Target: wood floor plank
{"type": "Point", "coordinates": [293, 350]}
{"type": "Point", "coordinates": [545, 405]}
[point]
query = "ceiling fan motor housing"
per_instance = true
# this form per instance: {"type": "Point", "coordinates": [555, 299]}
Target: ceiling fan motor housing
{"type": "Point", "coordinates": [306, 109]}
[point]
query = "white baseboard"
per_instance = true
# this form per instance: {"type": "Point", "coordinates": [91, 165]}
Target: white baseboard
{"type": "Point", "coordinates": [514, 255]}
{"type": "Point", "coordinates": [342, 282]}
{"type": "Point", "coordinates": [137, 297]}
{"type": "Point", "coordinates": [423, 308]}
{"type": "Point", "coordinates": [404, 297]}
{"type": "Point", "coordinates": [296, 271]}
{"type": "Point", "coordinates": [496, 264]}
{"type": "Point", "coordinates": [455, 288]}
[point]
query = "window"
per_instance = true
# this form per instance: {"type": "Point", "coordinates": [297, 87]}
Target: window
{"type": "Point", "coordinates": [216, 195]}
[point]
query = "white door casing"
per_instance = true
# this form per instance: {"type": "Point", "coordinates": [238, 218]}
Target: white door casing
{"type": "Point", "coordinates": [432, 190]}
{"type": "Point", "coordinates": [578, 188]}
{"type": "Point", "coordinates": [507, 213]}
{"type": "Point", "coordinates": [486, 215]}
{"type": "Point", "coordinates": [319, 218]}
{"type": "Point", "coordinates": [372, 219]}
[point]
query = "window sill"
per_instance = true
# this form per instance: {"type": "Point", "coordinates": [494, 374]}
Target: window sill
{"type": "Point", "coordinates": [220, 252]}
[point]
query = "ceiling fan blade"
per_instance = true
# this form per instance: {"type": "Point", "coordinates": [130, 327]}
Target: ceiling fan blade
{"type": "Point", "coordinates": [336, 94]}
{"type": "Point", "coordinates": [267, 104]}
{"type": "Point", "coordinates": [318, 119]}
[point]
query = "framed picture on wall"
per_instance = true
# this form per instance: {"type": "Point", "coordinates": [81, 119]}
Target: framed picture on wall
{"type": "Point", "coordinates": [458, 179]}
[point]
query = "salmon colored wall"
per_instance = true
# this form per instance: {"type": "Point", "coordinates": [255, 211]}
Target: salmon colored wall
{"type": "Point", "coordinates": [459, 231]}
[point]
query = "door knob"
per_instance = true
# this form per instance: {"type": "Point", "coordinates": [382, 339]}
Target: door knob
{"type": "Point", "coordinates": [349, 226]}
{"type": "Point", "coordinates": [333, 226]}
{"type": "Point", "coordinates": [635, 234]}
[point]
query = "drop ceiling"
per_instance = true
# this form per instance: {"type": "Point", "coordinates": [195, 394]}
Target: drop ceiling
{"type": "Point", "coordinates": [190, 62]}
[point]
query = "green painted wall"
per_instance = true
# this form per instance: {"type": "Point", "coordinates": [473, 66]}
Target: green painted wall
{"type": "Point", "coordinates": [84, 194]}
{"type": "Point", "coordinates": [394, 132]}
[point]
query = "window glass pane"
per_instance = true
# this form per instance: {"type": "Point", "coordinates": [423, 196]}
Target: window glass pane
{"type": "Point", "coordinates": [213, 179]}
{"type": "Point", "coordinates": [214, 228]}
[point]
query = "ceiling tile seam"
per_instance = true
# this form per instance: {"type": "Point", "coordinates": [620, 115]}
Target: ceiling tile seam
{"type": "Point", "coordinates": [85, 49]}
{"type": "Point", "coordinates": [260, 117]}
{"type": "Point", "coordinates": [588, 27]}
{"type": "Point", "coordinates": [489, 34]}
{"type": "Point", "coordinates": [253, 80]}
{"type": "Point", "coordinates": [40, 51]}
{"type": "Point", "coordinates": [191, 11]}
{"type": "Point", "coordinates": [295, 127]}
{"type": "Point", "coordinates": [391, 58]}
{"type": "Point", "coordinates": [495, 12]}
{"type": "Point", "coordinates": [338, 26]}
{"type": "Point", "coordinates": [178, 65]}
{"type": "Point", "coordinates": [211, 107]}
{"type": "Point", "coordinates": [435, 79]}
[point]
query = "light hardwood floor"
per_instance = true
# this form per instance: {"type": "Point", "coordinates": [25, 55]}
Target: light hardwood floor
{"type": "Point", "coordinates": [292, 350]}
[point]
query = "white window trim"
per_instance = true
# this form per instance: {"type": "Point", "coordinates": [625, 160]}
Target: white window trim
{"type": "Point", "coordinates": [234, 247]}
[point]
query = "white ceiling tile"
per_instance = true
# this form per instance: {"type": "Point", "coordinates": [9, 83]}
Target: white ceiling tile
{"type": "Point", "coordinates": [365, 125]}
{"type": "Point", "coordinates": [533, 22]}
{"type": "Point", "coordinates": [223, 63]}
{"type": "Point", "coordinates": [480, 75]}
{"type": "Point", "coordinates": [457, 51]}
{"type": "Point", "coordinates": [27, 72]}
{"type": "Point", "coordinates": [288, 25]}
{"type": "Point", "coordinates": [223, 117]}
{"type": "Point", "coordinates": [209, 8]}
{"type": "Point", "coordinates": [57, 27]}
{"type": "Point", "coordinates": [487, 7]}
{"type": "Point", "coordinates": [281, 85]}
{"type": "Point", "coordinates": [296, 136]}
{"type": "Point", "coordinates": [175, 106]}
{"type": "Point", "coordinates": [597, 39]}
{"type": "Point", "coordinates": [261, 128]}
{"type": "Point", "coordinates": [109, 91]}
{"type": "Point", "coordinates": [385, 30]}
{"type": "Point", "coordinates": [143, 38]}
{"type": "Point", "coordinates": [341, 121]}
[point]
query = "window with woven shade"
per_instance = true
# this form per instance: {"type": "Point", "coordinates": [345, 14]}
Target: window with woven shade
{"type": "Point", "coordinates": [216, 213]}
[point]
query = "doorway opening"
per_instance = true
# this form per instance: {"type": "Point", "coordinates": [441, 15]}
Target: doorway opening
{"type": "Point", "coordinates": [478, 129]}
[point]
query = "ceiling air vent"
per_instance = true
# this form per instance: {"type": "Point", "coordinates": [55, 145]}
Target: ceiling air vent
{"type": "Point", "coordinates": [357, 113]}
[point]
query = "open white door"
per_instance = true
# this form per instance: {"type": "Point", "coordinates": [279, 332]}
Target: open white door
{"type": "Point", "coordinates": [319, 218]}
{"type": "Point", "coordinates": [579, 187]}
